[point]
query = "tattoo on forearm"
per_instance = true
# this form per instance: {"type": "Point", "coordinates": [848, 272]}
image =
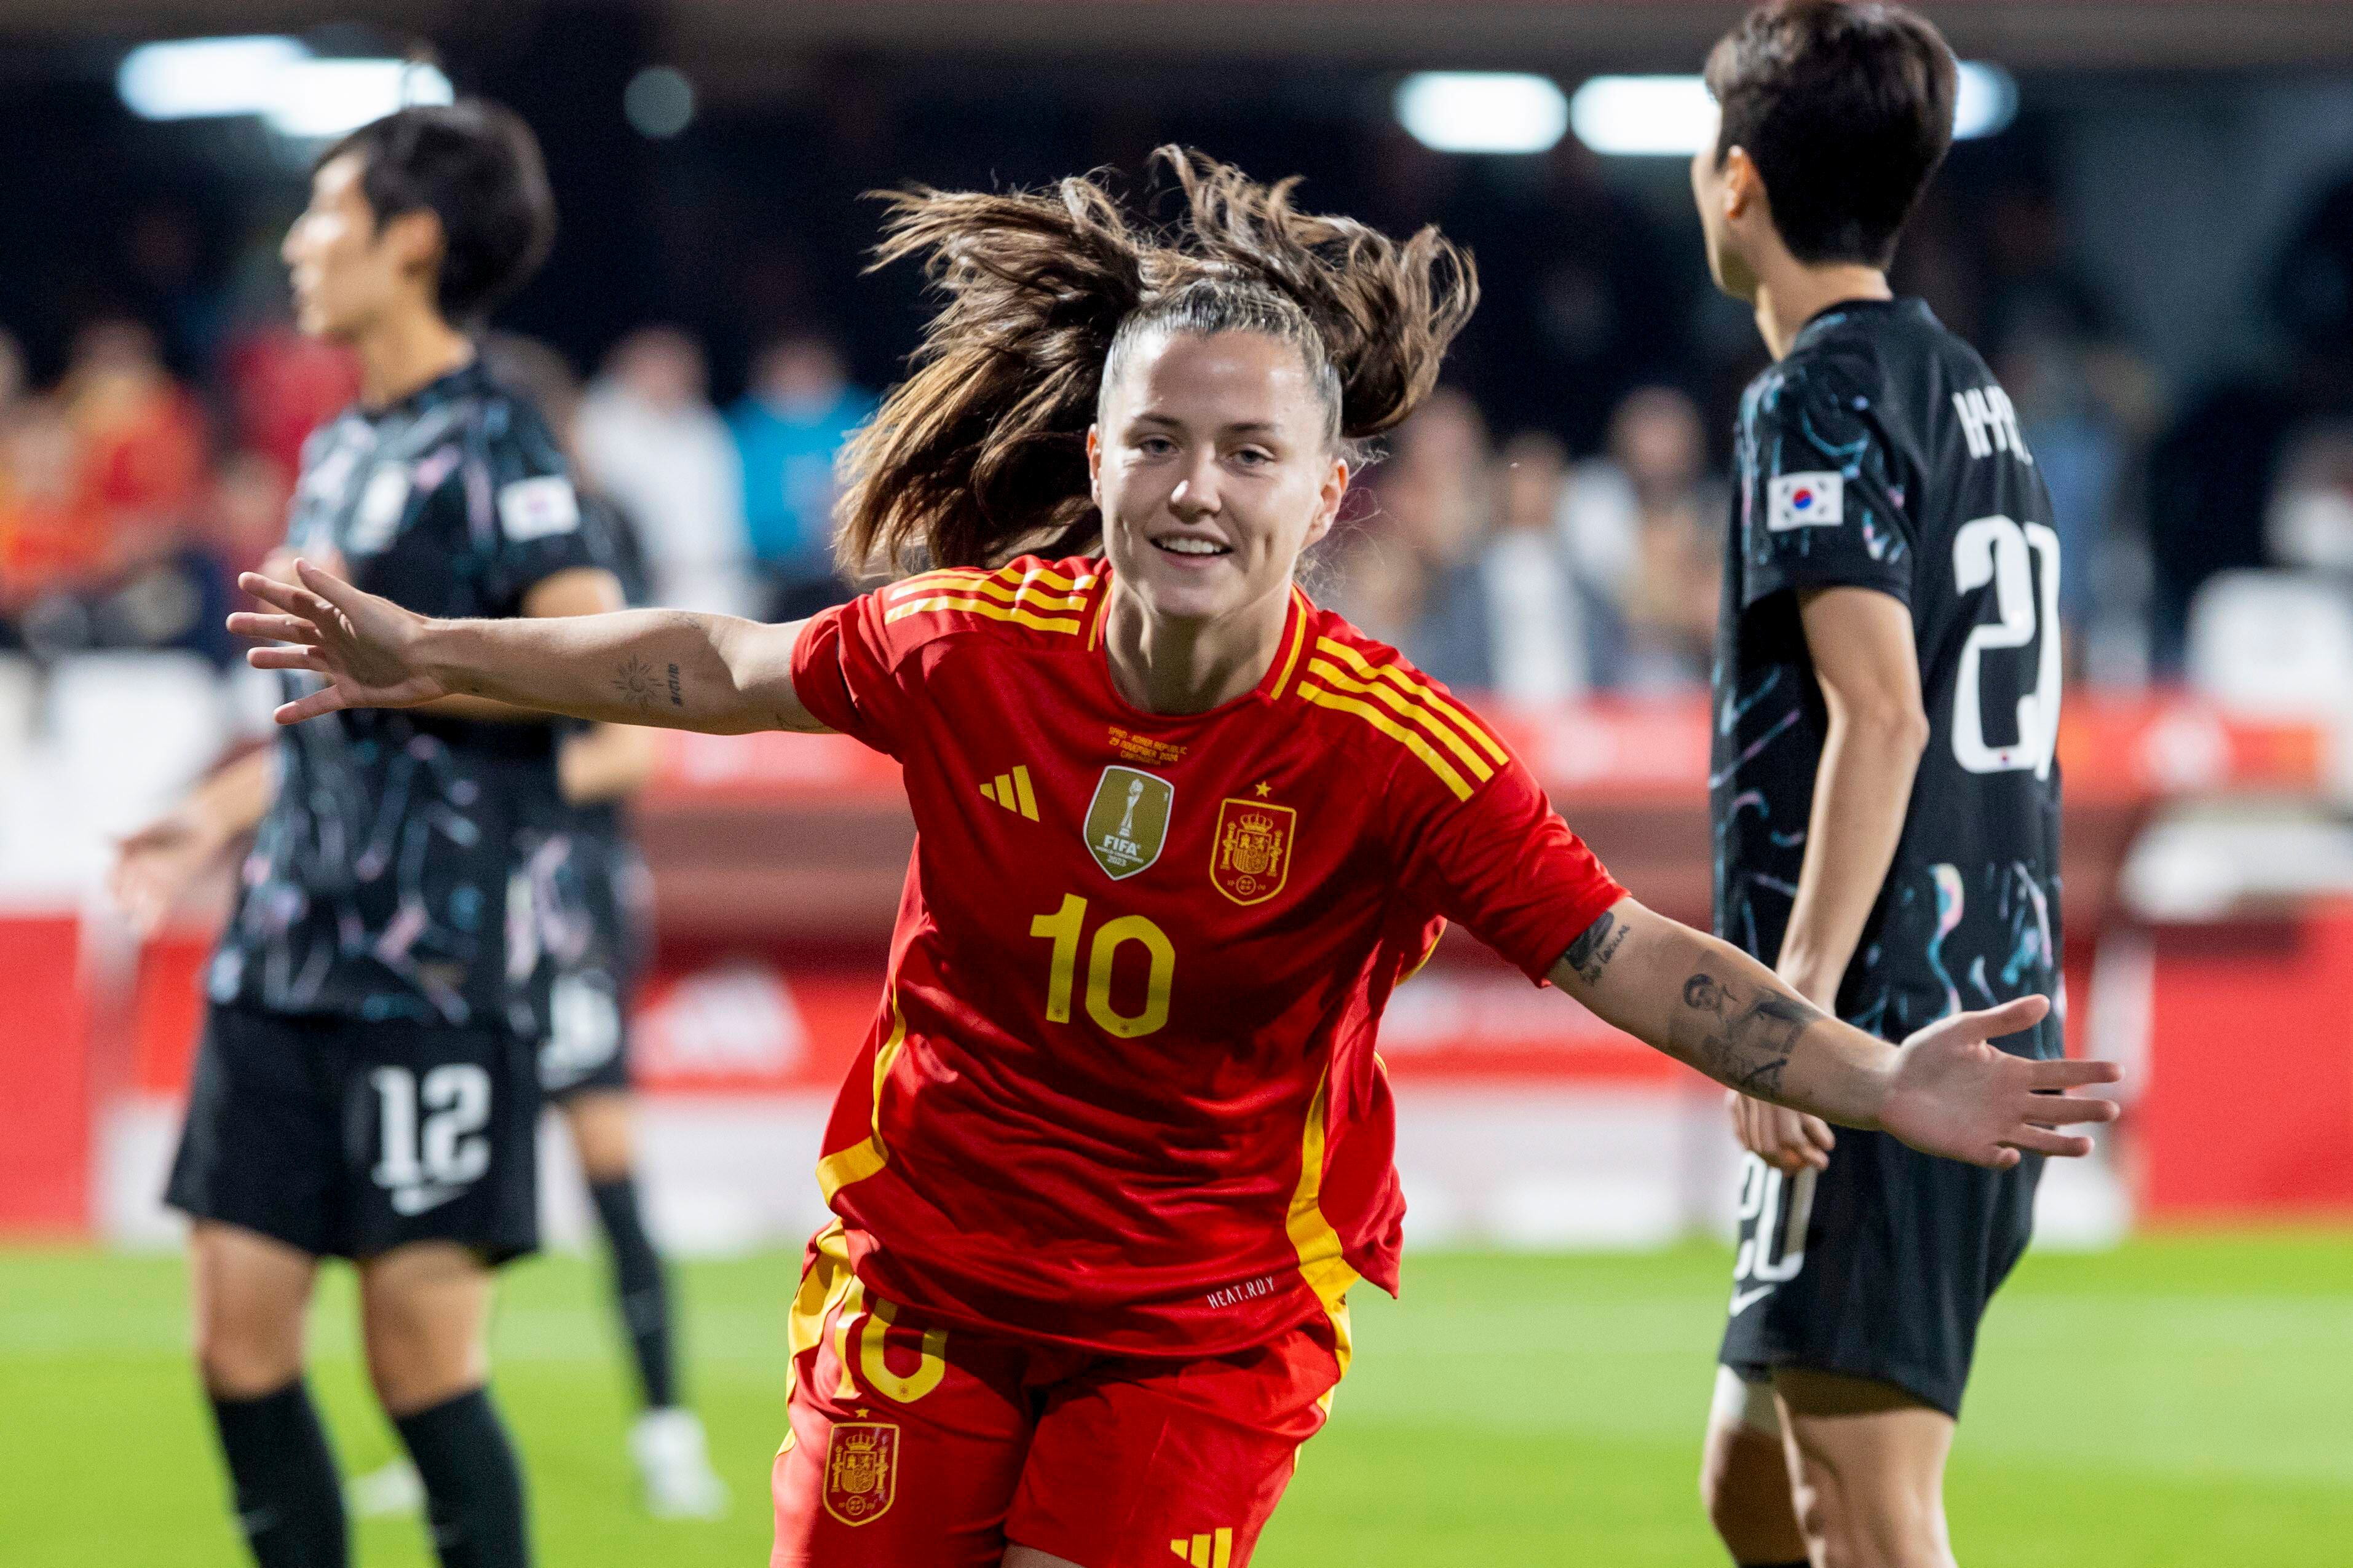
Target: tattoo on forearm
{"type": "Point", "coordinates": [677, 699]}
{"type": "Point", "coordinates": [1746, 1037]}
{"type": "Point", "coordinates": [1590, 953]}
{"type": "Point", "coordinates": [635, 681]}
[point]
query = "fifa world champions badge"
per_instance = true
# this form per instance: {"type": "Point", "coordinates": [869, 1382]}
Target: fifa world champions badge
{"type": "Point", "coordinates": [861, 1470]}
{"type": "Point", "coordinates": [1249, 856]}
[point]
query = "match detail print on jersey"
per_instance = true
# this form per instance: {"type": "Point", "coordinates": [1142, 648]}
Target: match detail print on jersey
{"type": "Point", "coordinates": [1127, 821]}
{"type": "Point", "coordinates": [1249, 856]}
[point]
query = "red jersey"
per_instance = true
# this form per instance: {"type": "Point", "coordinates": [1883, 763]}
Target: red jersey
{"type": "Point", "coordinates": [1121, 1092]}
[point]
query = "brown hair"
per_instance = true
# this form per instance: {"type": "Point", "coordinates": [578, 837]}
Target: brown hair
{"type": "Point", "coordinates": [1846, 109]}
{"type": "Point", "coordinates": [982, 451]}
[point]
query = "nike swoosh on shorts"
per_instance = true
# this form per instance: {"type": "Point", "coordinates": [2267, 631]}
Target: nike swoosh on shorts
{"type": "Point", "coordinates": [1744, 1299]}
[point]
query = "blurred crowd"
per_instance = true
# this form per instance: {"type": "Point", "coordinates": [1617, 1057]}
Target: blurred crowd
{"type": "Point", "coordinates": [1499, 557]}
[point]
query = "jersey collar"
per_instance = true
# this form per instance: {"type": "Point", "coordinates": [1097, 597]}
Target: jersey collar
{"type": "Point", "coordinates": [1297, 617]}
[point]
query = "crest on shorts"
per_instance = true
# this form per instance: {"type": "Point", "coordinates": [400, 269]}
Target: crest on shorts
{"type": "Point", "coordinates": [1249, 858]}
{"type": "Point", "coordinates": [861, 1470]}
{"type": "Point", "coordinates": [1127, 821]}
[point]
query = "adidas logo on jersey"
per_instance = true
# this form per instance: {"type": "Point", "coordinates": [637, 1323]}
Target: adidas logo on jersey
{"type": "Point", "coordinates": [1012, 792]}
{"type": "Point", "coordinates": [1210, 1551]}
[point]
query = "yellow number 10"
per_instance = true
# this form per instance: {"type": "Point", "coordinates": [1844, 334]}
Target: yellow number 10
{"type": "Point", "coordinates": [1063, 929]}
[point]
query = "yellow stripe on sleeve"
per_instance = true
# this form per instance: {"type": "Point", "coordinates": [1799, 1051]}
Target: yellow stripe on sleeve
{"type": "Point", "coordinates": [1387, 726]}
{"type": "Point", "coordinates": [1332, 675]}
{"type": "Point", "coordinates": [983, 607]}
{"type": "Point", "coordinates": [1407, 683]}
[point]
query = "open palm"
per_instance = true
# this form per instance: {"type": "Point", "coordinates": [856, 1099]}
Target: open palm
{"type": "Point", "coordinates": [1957, 1095]}
{"type": "Point", "coordinates": [362, 644]}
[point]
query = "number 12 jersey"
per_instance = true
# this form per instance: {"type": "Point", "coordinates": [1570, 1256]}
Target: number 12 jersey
{"type": "Point", "coordinates": [1880, 453]}
{"type": "Point", "coordinates": [1121, 1093]}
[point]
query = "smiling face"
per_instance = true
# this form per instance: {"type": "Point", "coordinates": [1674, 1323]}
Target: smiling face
{"type": "Point", "coordinates": [347, 271]}
{"type": "Point", "coordinates": [1213, 470]}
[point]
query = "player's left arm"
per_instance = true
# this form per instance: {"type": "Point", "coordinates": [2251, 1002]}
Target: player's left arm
{"type": "Point", "coordinates": [1944, 1091]}
{"type": "Point", "coordinates": [1861, 643]}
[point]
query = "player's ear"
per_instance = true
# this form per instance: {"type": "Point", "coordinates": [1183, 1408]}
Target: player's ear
{"type": "Point", "coordinates": [416, 240]}
{"type": "Point", "coordinates": [1095, 465]}
{"type": "Point", "coordinates": [1334, 491]}
{"type": "Point", "coordinates": [1743, 188]}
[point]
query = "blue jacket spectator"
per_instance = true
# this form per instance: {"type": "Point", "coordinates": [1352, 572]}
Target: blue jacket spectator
{"type": "Point", "coordinates": [788, 429]}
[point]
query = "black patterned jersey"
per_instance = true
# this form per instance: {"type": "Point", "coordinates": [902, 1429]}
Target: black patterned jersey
{"type": "Point", "coordinates": [1880, 453]}
{"type": "Point", "coordinates": [383, 882]}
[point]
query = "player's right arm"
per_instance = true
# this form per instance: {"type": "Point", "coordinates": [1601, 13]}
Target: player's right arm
{"type": "Point", "coordinates": [673, 669]}
{"type": "Point", "coordinates": [1946, 1090]}
{"type": "Point", "coordinates": [155, 867]}
{"type": "Point", "coordinates": [1861, 643]}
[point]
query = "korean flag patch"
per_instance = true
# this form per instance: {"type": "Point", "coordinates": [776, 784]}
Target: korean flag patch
{"type": "Point", "coordinates": [537, 509]}
{"type": "Point", "coordinates": [1805, 500]}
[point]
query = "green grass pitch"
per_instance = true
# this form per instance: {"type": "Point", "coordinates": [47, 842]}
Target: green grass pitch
{"type": "Point", "coordinates": [2182, 1401]}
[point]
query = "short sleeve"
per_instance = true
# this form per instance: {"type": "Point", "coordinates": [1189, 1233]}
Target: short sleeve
{"type": "Point", "coordinates": [1821, 505]}
{"type": "Point", "coordinates": [1499, 863]}
{"type": "Point", "coordinates": [520, 500]}
{"type": "Point", "coordinates": [845, 672]}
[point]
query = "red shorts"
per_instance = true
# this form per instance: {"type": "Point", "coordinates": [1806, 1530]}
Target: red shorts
{"type": "Point", "coordinates": [912, 1446]}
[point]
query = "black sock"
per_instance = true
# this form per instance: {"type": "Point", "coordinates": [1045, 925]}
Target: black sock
{"type": "Point", "coordinates": [639, 1289]}
{"type": "Point", "coordinates": [288, 1500]}
{"type": "Point", "coordinates": [473, 1487]}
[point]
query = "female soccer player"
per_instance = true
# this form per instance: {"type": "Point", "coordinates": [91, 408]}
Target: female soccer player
{"type": "Point", "coordinates": [1118, 1144]}
{"type": "Point", "coordinates": [361, 1091]}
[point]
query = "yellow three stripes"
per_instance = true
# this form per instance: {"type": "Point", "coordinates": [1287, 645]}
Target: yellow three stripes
{"type": "Point", "coordinates": [1214, 1550]}
{"type": "Point", "coordinates": [1012, 792]}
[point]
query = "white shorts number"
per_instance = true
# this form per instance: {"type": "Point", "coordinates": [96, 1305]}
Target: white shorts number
{"type": "Point", "coordinates": [1763, 1189]}
{"type": "Point", "coordinates": [432, 1131]}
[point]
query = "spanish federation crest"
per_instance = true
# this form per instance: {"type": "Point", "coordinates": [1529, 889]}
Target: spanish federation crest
{"type": "Point", "coordinates": [1251, 857]}
{"type": "Point", "coordinates": [861, 1470]}
{"type": "Point", "coordinates": [1127, 821]}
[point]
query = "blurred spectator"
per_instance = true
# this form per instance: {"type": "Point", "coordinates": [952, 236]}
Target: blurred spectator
{"type": "Point", "coordinates": [282, 384]}
{"type": "Point", "coordinates": [245, 516]}
{"type": "Point", "coordinates": [2213, 474]}
{"type": "Point", "coordinates": [1437, 494]}
{"type": "Point", "coordinates": [650, 440]}
{"type": "Point", "coordinates": [788, 429]}
{"type": "Point", "coordinates": [1641, 528]}
{"type": "Point", "coordinates": [140, 440]}
{"type": "Point", "coordinates": [1540, 617]}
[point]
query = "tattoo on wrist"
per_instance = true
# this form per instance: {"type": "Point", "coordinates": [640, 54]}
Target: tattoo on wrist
{"type": "Point", "coordinates": [1590, 953]}
{"type": "Point", "coordinates": [1746, 1035]}
{"type": "Point", "coordinates": [635, 681]}
{"type": "Point", "coordinates": [677, 699]}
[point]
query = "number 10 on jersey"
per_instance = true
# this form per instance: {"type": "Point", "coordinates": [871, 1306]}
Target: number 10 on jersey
{"type": "Point", "coordinates": [1064, 928]}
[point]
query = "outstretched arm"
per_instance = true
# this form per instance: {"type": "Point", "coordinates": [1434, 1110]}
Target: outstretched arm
{"type": "Point", "coordinates": [674, 668]}
{"type": "Point", "coordinates": [1945, 1091]}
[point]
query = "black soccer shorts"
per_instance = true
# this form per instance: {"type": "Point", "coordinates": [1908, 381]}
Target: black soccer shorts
{"type": "Point", "coordinates": [1879, 1267]}
{"type": "Point", "coordinates": [348, 1139]}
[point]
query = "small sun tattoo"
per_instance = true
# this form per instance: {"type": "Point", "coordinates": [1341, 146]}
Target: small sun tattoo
{"type": "Point", "coordinates": [635, 680]}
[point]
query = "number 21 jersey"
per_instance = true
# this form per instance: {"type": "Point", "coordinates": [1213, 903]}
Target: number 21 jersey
{"type": "Point", "coordinates": [1880, 453]}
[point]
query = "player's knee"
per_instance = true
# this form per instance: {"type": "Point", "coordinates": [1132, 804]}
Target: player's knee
{"type": "Point", "coordinates": [245, 1358]}
{"type": "Point", "coordinates": [1883, 1527]}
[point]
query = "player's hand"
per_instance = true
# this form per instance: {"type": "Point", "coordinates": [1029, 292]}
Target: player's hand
{"type": "Point", "coordinates": [1788, 1140]}
{"type": "Point", "coordinates": [154, 868]}
{"type": "Point", "coordinates": [362, 644]}
{"type": "Point", "coordinates": [1953, 1094]}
